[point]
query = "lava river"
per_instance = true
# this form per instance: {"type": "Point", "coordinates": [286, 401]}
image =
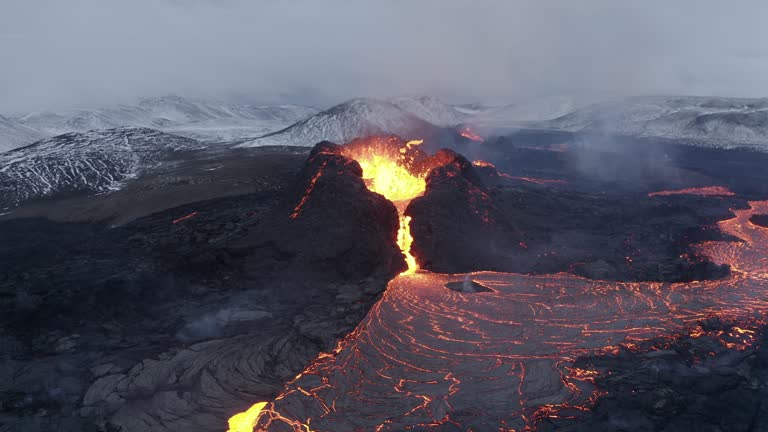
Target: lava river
{"type": "Point", "coordinates": [430, 358]}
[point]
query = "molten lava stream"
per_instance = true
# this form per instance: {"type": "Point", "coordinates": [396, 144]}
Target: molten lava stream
{"type": "Point", "coordinates": [470, 134]}
{"type": "Point", "coordinates": [701, 191]}
{"type": "Point", "coordinates": [426, 356]}
{"type": "Point", "coordinates": [405, 240]}
{"type": "Point", "coordinates": [389, 171]}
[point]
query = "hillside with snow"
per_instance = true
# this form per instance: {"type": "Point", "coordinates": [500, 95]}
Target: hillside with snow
{"type": "Point", "coordinates": [181, 111]}
{"type": "Point", "coordinates": [517, 114]}
{"type": "Point", "coordinates": [13, 134]}
{"type": "Point", "coordinates": [208, 121]}
{"type": "Point", "coordinates": [707, 120]}
{"type": "Point", "coordinates": [431, 110]}
{"type": "Point", "coordinates": [699, 120]}
{"type": "Point", "coordinates": [344, 122]}
{"type": "Point", "coordinates": [84, 162]}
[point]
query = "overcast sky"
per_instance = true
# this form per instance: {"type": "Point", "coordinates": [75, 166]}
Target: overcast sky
{"type": "Point", "coordinates": [65, 53]}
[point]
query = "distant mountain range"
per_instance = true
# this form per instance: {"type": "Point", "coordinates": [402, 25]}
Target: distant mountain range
{"type": "Point", "coordinates": [704, 121]}
{"type": "Point", "coordinates": [162, 112]}
{"type": "Point", "coordinates": [99, 153]}
{"type": "Point", "coordinates": [253, 125]}
{"type": "Point", "coordinates": [352, 119]}
{"type": "Point", "coordinates": [207, 121]}
{"type": "Point", "coordinates": [432, 110]}
{"type": "Point", "coordinates": [708, 120]}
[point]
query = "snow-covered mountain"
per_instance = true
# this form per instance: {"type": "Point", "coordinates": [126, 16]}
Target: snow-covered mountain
{"type": "Point", "coordinates": [13, 134]}
{"type": "Point", "coordinates": [703, 120]}
{"type": "Point", "coordinates": [711, 120]}
{"type": "Point", "coordinates": [184, 111]}
{"type": "Point", "coordinates": [346, 121]}
{"type": "Point", "coordinates": [84, 120]}
{"type": "Point", "coordinates": [200, 119]}
{"type": "Point", "coordinates": [432, 110]}
{"type": "Point", "coordinates": [539, 109]}
{"type": "Point", "coordinates": [439, 113]}
{"type": "Point", "coordinates": [90, 162]}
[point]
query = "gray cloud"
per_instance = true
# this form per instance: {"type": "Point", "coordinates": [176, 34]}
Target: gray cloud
{"type": "Point", "coordinates": [59, 53]}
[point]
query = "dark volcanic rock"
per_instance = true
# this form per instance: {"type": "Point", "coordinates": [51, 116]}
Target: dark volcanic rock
{"type": "Point", "coordinates": [761, 220]}
{"type": "Point", "coordinates": [467, 286]}
{"type": "Point", "coordinates": [471, 219]}
{"type": "Point", "coordinates": [612, 238]}
{"type": "Point", "coordinates": [693, 384]}
{"type": "Point", "coordinates": [456, 226]}
{"type": "Point", "coordinates": [331, 225]}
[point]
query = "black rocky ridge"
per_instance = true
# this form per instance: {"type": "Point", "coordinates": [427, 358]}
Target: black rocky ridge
{"type": "Point", "coordinates": [761, 220]}
{"type": "Point", "coordinates": [691, 384]}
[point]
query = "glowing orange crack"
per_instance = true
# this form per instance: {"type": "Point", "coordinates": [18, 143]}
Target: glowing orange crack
{"type": "Point", "coordinates": [308, 192]}
{"type": "Point", "coordinates": [183, 218]}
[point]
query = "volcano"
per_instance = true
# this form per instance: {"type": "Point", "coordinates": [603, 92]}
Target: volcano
{"type": "Point", "coordinates": [347, 121]}
{"type": "Point", "coordinates": [390, 167]}
{"type": "Point", "coordinates": [385, 284]}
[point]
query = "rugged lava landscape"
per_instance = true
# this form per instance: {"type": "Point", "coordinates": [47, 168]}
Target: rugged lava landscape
{"type": "Point", "coordinates": [420, 273]}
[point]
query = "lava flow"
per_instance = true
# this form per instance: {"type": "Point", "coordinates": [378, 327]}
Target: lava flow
{"type": "Point", "coordinates": [470, 134]}
{"type": "Point", "coordinates": [391, 170]}
{"type": "Point", "coordinates": [183, 218]}
{"type": "Point", "coordinates": [543, 182]}
{"type": "Point", "coordinates": [427, 357]}
{"type": "Point", "coordinates": [701, 191]}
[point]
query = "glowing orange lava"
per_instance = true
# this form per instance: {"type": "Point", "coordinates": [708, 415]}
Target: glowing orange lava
{"type": "Point", "coordinates": [245, 421]}
{"type": "Point", "coordinates": [543, 182]}
{"type": "Point", "coordinates": [183, 218]}
{"type": "Point", "coordinates": [297, 210]}
{"type": "Point", "coordinates": [404, 241]}
{"type": "Point", "coordinates": [701, 191]}
{"type": "Point", "coordinates": [389, 169]}
{"type": "Point", "coordinates": [482, 163]}
{"type": "Point", "coordinates": [470, 134]}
